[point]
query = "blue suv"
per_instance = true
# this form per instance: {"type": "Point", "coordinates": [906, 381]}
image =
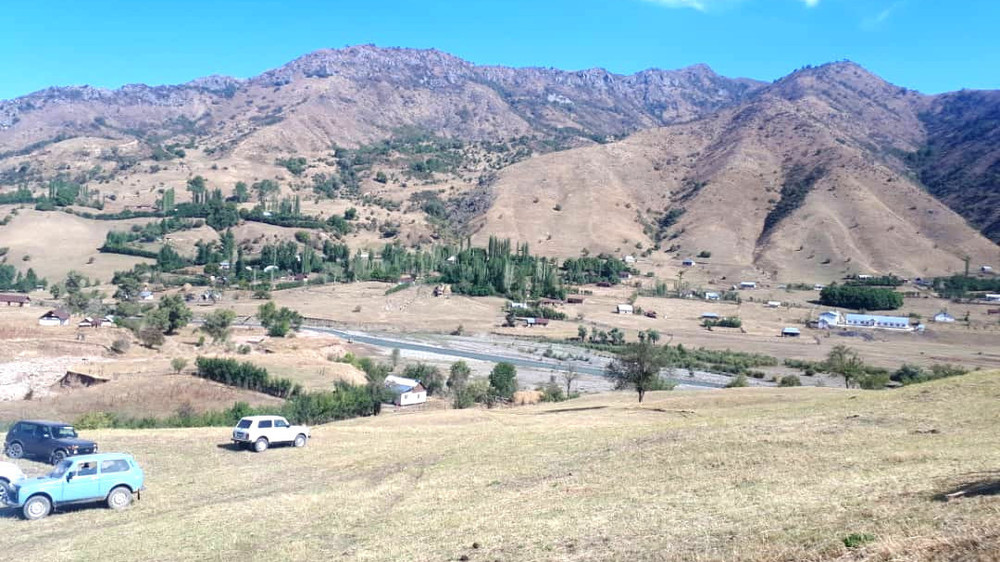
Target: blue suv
{"type": "Point", "coordinates": [113, 478]}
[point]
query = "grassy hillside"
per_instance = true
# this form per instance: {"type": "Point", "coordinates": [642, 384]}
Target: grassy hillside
{"type": "Point", "coordinates": [761, 474]}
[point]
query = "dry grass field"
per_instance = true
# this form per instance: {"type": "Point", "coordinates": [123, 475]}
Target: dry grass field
{"type": "Point", "coordinates": [748, 474]}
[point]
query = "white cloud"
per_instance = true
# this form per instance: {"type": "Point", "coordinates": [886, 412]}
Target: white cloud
{"type": "Point", "coordinates": [811, 3]}
{"type": "Point", "coordinates": [875, 21]}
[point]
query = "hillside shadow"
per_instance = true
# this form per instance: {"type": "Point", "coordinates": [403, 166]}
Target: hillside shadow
{"type": "Point", "coordinates": [578, 409]}
{"type": "Point", "coordinates": [987, 484]}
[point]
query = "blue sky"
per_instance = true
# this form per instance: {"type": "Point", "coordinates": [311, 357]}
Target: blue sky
{"type": "Point", "coordinates": [929, 45]}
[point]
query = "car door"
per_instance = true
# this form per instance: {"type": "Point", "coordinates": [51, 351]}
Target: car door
{"type": "Point", "coordinates": [113, 473]}
{"type": "Point", "coordinates": [39, 443]}
{"type": "Point", "coordinates": [282, 432]}
{"type": "Point", "coordinates": [82, 482]}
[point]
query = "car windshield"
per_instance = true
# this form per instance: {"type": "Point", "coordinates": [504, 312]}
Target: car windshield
{"type": "Point", "coordinates": [60, 470]}
{"type": "Point", "coordinates": [65, 432]}
{"type": "Point", "coordinates": [244, 424]}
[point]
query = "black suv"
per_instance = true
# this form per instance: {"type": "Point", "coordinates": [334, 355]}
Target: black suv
{"type": "Point", "coordinates": [52, 441]}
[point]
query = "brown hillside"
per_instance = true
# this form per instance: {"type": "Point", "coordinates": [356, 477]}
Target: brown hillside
{"type": "Point", "coordinates": [822, 130]}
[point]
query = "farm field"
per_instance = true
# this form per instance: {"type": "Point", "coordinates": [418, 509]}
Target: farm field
{"type": "Point", "coordinates": [745, 474]}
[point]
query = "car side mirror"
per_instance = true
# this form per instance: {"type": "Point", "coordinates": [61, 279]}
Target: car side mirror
{"type": "Point", "coordinates": [70, 475]}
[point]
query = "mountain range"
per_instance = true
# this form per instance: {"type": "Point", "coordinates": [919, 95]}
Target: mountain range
{"type": "Point", "coordinates": [829, 170]}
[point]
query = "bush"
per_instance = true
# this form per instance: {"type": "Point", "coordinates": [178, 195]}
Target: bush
{"type": "Point", "coordinates": [121, 346]}
{"type": "Point", "coordinates": [245, 375]}
{"type": "Point", "coordinates": [738, 381]}
{"type": "Point", "coordinates": [856, 540]}
{"type": "Point", "coordinates": [178, 364]}
{"type": "Point", "coordinates": [790, 380]}
{"type": "Point", "coordinates": [243, 349]}
{"type": "Point", "coordinates": [704, 254]}
{"type": "Point", "coordinates": [552, 392]}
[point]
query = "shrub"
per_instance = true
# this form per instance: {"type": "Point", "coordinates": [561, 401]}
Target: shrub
{"type": "Point", "coordinates": [552, 392]}
{"type": "Point", "coordinates": [856, 540]}
{"type": "Point", "coordinates": [738, 381]}
{"type": "Point", "coordinates": [178, 364]}
{"type": "Point", "coordinates": [243, 349]}
{"type": "Point", "coordinates": [704, 254]}
{"type": "Point", "coordinates": [151, 336]}
{"type": "Point", "coordinates": [790, 380]}
{"type": "Point", "coordinates": [121, 346]}
{"type": "Point", "coordinates": [245, 375]}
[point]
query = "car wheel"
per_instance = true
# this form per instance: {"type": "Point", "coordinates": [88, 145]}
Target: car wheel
{"type": "Point", "coordinates": [300, 440]}
{"type": "Point", "coordinates": [36, 507]}
{"type": "Point", "coordinates": [120, 498]}
{"type": "Point", "coordinates": [15, 450]}
{"type": "Point", "coordinates": [260, 445]}
{"type": "Point", "coordinates": [4, 491]}
{"type": "Point", "coordinates": [58, 456]}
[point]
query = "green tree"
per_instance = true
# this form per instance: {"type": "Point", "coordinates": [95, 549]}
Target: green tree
{"type": "Point", "coordinates": [581, 332]}
{"type": "Point", "coordinates": [503, 380]}
{"type": "Point", "coordinates": [845, 362]}
{"type": "Point", "coordinates": [428, 375]}
{"type": "Point", "coordinates": [178, 364]}
{"type": "Point", "coordinates": [170, 315]}
{"type": "Point", "coordinates": [638, 366]}
{"type": "Point", "coordinates": [278, 322]}
{"type": "Point", "coordinates": [458, 376]}
{"type": "Point", "coordinates": [241, 192]}
{"type": "Point", "coordinates": [217, 325]}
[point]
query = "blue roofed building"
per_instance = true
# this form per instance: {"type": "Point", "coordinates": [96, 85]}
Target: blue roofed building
{"type": "Point", "coordinates": [877, 321]}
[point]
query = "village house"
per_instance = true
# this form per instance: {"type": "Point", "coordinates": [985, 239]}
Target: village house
{"type": "Point", "coordinates": [629, 259]}
{"type": "Point", "coordinates": [712, 296]}
{"type": "Point", "coordinates": [530, 322]}
{"type": "Point", "coordinates": [748, 285]}
{"type": "Point", "coordinates": [625, 309]}
{"type": "Point", "coordinates": [19, 300]}
{"type": "Point", "coordinates": [773, 304]}
{"type": "Point", "coordinates": [519, 305]}
{"type": "Point", "coordinates": [90, 322]}
{"type": "Point", "coordinates": [992, 297]}
{"type": "Point", "coordinates": [54, 318]}
{"type": "Point", "coordinates": [709, 316]}
{"type": "Point", "coordinates": [406, 392]}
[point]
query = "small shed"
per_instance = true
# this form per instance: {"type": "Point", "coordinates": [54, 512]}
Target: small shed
{"type": "Point", "coordinates": [625, 309]}
{"type": "Point", "coordinates": [688, 262]}
{"type": "Point", "coordinates": [710, 315]}
{"type": "Point", "coordinates": [944, 317]}
{"type": "Point", "coordinates": [624, 275]}
{"type": "Point", "coordinates": [773, 304]}
{"type": "Point", "coordinates": [748, 284]}
{"type": "Point", "coordinates": [536, 321]}
{"type": "Point", "coordinates": [629, 259]}
{"type": "Point", "coordinates": [574, 300]}
{"type": "Point", "coordinates": [54, 318]}
{"type": "Point", "coordinates": [519, 305]}
{"type": "Point", "coordinates": [992, 297]}
{"type": "Point", "coordinates": [790, 333]}
{"type": "Point", "coordinates": [986, 269]}
{"type": "Point", "coordinates": [146, 295]}
{"type": "Point", "coordinates": [19, 300]}
{"type": "Point", "coordinates": [710, 296]}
